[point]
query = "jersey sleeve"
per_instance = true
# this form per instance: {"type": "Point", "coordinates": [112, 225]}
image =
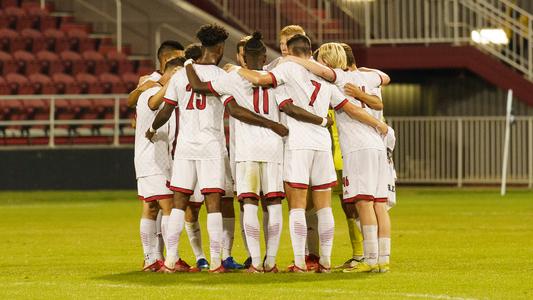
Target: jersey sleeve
{"type": "Point", "coordinates": [280, 74]}
{"type": "Point", "coordinates": [340, 76]}
{"type": "Point", "coordinates": [338, 99]}
{"type": "Point", "coordinates": [171, 95]}
{"type": "Point", "coordinates": [222, 85]}
{"type": "Point", "coordinates": [146, 95]}
{"type": "Point", "coordinates": [372, 78]}
{"type": "Point", "coordinates": [282, 97]}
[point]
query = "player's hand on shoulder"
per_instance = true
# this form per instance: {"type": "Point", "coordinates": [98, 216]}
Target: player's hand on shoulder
{"type": "Point", "coordinates": [330, 122]}
{"type": "Point", "coordinates": [280, 129]}
{"type": "Point", "coordinates": [382, 128]}
{"type": "Point", "coordinates": [352, 90]}
{"type": "Point", "coordinates": [150, 135]}
{"type": "Point", "coordinates": [229, 67]}
{"type": "Point", "coordinates": [142, 80]}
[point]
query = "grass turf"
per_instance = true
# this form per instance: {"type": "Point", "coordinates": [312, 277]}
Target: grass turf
{"type": "Point", "coordinates": [447, 244]}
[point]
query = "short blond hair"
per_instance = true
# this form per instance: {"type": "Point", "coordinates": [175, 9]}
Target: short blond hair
{"type": "Point", "coordinates": [333, 55]}
{"type": "Point", "coordinates": [291, 30]}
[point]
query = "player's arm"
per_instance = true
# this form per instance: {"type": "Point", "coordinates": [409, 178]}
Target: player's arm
{"type": "Point", "coordinates": [197, 85]}
{"type": "Point", "coordinates": [385, 79]}
{"type": "Point", "coordinates": [244, 115]}
{"type": "Point", "coordinates": [160, 119]}
{"type": "Point", "coordinates": [155, 101]}
{"type": "Point", "coordinates": [372, 101]}
{"type": "Point", "coordinates": [257, 78]}
{"type": "Point", "coordinates": [303, 115]}
{"type": "Point", "coordinates": [134, 95]}
{"type": "Point", "coordinates": [359, 114]}
{"type": "Point", "coordinates": [314, 67]}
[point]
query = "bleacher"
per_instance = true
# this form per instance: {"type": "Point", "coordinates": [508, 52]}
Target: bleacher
{"type": "Point", "coordinates": [43, 52]}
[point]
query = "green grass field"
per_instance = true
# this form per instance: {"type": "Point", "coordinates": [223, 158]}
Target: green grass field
{"type": "Point", "coordinates": [447, 244]}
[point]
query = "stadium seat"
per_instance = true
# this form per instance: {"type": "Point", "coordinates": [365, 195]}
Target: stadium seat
{"type": "Point", "coordinates": [79, 40]}
{"type": "Point", "coordinates": [119, 62]}
{"type": "Point", "coordinates": [10, 40]}
{"type": "Point", "coordinates": [112, 84]}
{"type": "Point", "coordinates": [89, 84]}
{"type": "Point", "coordinates": [56, 40]}
{"type": "Point", "coordinates": [14, 16]}
{"type": "Point", "coordinates": [130, 80]}
{"type": "Point", "coordinates": [4, 88]}
{"type": "Point", "coordinates": [95, 62]}
{"type": "Point", "coordinates": [7, 63]}
{"type": "Point", "coordinates": [9, 3]}
{"type": "Point", "coordinates": [50, 62]}
{"type": "Point", "coordinates": [19, 84]}
{"type": "Point", "coordinates": [65, 84]}
{"type": "Point", "coordinates": [42, 84]}
{"type": "Point", "coordinates": [34, 40]}
{"type": "Point", "coordinates": [73, 62]}
{"type": "Point", "coordinates": [27, 63]}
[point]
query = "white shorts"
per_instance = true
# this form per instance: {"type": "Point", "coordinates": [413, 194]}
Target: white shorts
{"type": "Point", "coordinates": [259, 178]}
{"type": "Point", "coordinates": [365, 176]}
{"type": "Point", "coordinates": [304, 168]}
{"type": "Point", "coordinates": [153, 187]}
{"type": "Point", "coordinates": [209, 175]}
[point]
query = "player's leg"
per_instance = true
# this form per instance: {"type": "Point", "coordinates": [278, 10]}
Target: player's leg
{"type": "Point", "coordinates": [228, 221]}
{"type": "Point", "coordinates": [192, 226]}
{"type": "Point", "coordinates": [248, 188]}
{"type": "Point", "coordinates": [355, 234]}
{"type": "Point", "coordinates": [296, 173]}
{"type": "Point", "coordinates": [264, 207]}
{"type": "Point", "coordinates": [382, 214]}
{"type": "Point", "coordinates": [272, 187]}
{"type": "Point", "coordinates": [211, 180]}
{"type": "Point", "coordinates": [312, 248]}
{"type": "Point", "coordinates": [160, 242]}
{"type": "Point", "coordinates": [248, 262]}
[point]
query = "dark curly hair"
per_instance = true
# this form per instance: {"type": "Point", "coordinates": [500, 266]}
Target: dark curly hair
{"type": "Point", "coordinates": [193, 51]}
{"type": "Point", "coordinates": [211, 35]}
{"type": "Point", "coordinates": [255, 45]}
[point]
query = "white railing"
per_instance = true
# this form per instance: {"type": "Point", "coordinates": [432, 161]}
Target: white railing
{"type": "Point", "coordinates": [394, 22]}
{"type": "Point", "coordinates": [461, 150]}
{"type": "Point", "coordinates": [52, 121]}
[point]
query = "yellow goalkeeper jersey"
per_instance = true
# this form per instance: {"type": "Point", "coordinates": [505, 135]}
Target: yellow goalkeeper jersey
{"type": "Point", "coordinates": [337, 155]}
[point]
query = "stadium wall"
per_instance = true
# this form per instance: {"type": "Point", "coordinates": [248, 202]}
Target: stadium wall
{"type": "Point", "coordinates": [67, 169]}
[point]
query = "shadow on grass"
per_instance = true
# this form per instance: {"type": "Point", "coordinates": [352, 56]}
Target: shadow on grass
{"type": "Point", "coordinates": [237, 278]}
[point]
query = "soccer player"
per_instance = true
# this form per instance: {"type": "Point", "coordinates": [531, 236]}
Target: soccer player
{"type": "Point", "coordinates": [308, 159]}
{"type": "Point", "coordinates": [152, 168]}
{"type": "Point", "coordinates": [365, 170]}
{"type": "Point", "coordinates": [200, 147]}
{"type": "Point", "coordinates": [258, 153]}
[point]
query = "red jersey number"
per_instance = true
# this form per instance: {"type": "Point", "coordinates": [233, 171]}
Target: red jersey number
{"type": "Point", "coordinates": [201, 100]}
{"type": "Point", "coordinates": [317, 86]}
{"type": "Point", "coordinates": [265, 100]}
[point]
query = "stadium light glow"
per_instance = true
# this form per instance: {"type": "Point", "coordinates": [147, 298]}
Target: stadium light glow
{"type": "Point", "coordinates": [490, 36]}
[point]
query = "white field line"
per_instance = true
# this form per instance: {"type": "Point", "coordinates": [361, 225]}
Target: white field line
{"type": "Point", "coordinates": [285, 289]}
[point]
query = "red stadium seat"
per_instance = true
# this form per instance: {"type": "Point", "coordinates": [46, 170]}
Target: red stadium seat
{"type": "Point", "coordinates": [34, 40]}
{"type": "Point", "coordinates": [50, 62]}
{"type": "Point", "coordinates": [95, 62]}
{"type": "Point", "coordinates": [130, 80]}
{"type": "Point", "coordinates": [89, 84]}
{"type": "Point", "coordinates": [65, 84]}
{"type": "Point", "coordinates": [27, 62]}
{"type": "Point", "coordinates": [10, 40]}
{"type": "Point", "coordinates": [73, 62]}
{"type": "Point", "coordinates": [42, 84]}
{"type": "Point", "coordinates": [7, 63]}
{"type": "Point", "coordinates": [4, 88]}
{"type": "Point", "coordinates": [9, 3]}
{"type": "Point", "coordinates": [112, 84]}
{"type": "Point", "coordinates": [79, 39]}
{"type": "Point", "coordinates": [13, 16]}
{"type": "Point", "coordinates": [56, 40]}
{"type": "Point", "coordinates": [19, 84]}
{"type": "Point", "coordinates": [119, 62]}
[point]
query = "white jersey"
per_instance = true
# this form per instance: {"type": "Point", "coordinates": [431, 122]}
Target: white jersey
{"type": "Point", "coordinates": [373, 81]}
{"type": "Point", "coordinates": [311, 93]}
{"type": "Point", "coordinates": [155, 76]}
{"type": "Point", "coordinates": [355, 135]}
{"type": "Point", "coordinates": [252, 143]}
{"type": "Point", "coordinates": [150, 158]}
{"type": "Point", "coordinates": [201, 135]}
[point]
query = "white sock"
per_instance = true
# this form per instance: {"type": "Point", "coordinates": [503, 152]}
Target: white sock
{"type": "Point", "coordinates": [265, 225]}
{"type": "Point", "coordinates": [312, 232]}
{"type": "Point", "coordinates": [195, 238]}
{"type": "Point", "coordinates": [160, 243]}
{"type": "Point", "coordinates": [174, 228]}
{"type": "Point", "coordinates": [148, 240]}
{"type": "Point", "coordinates": [326, 230]}
{"type": "Point", "coordinates": [214, 229]}
{"type": "Point", "coordinates": [243, 234]}
{"type": "Point", "coordinates": [298, 230]}
{"type": "Point", "coordinates": [228, 235]}
{"type": "Point", "coordinates": [164, 226]}
{"type": "Point", "coordinates": [275, 223]}
{"type": "Point", "coordinates": [370, 243]}
{"type": "Point", "coordinates": [384, 250]}
{"type": "Point", "coordinates": [253, 233]}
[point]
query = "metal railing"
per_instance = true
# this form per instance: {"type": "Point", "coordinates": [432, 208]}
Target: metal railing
{"type": "Point", "coordinates": [394, 22]}
{"type": "Point", "coordinates": [52, 121]}
{"type": "Point", "coordinates": [461, 150]}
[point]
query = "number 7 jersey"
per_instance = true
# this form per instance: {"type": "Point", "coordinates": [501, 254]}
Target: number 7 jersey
{"type": "Point", "coordinates": [200, 116]}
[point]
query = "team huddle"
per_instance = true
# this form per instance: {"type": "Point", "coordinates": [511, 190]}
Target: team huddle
{"type": "Point", "coordinates": [285, 119]}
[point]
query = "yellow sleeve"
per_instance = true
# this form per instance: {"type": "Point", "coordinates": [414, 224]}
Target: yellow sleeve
{"type": "Point", "coordinates": [337, 155]}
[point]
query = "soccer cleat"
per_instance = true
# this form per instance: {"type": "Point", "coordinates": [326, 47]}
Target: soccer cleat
{"type": "Point", "coordinates": [247, 262]}
{"type": "Point", "coordinates": [158, 264]}
{"type": "Point", "coordinates": [165, 269]}
{"type": "Point", "coordinates": [362, 267]}
{"type": "Point", "coordinates": [230, 264]}
{"type": "Point", "coordinates": [182, 266]}
{"type": "Point", "coordinates": [321, 269]}
{"type": "Point", "coordinates": [295, 269]}
{"type": "Point", "coordinates": [311, 261]}
{"type": "Point", "coordinates": [253, 270]}
{"type": "Point", "coordinates": [202, 264]}
{"type": "Point", "coordinates": [220, 269]}
{"type": "Point", "coordinates": [350, 263]}
{"type": "Point", "coordinates": [384, 268]}
{"type": "Point", "coordinates": [273, 270]}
